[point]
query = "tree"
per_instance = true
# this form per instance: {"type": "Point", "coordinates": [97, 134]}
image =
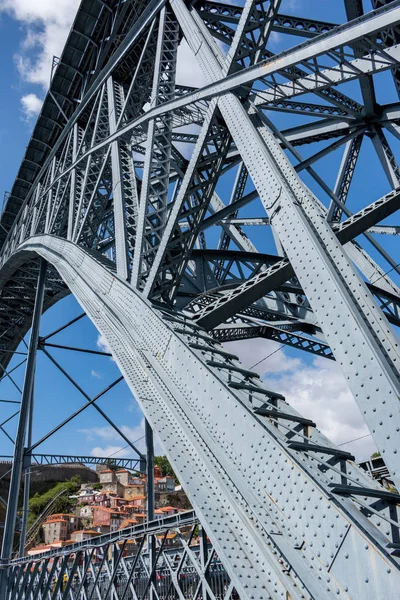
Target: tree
{"type": "Point", "coordinates": [165, 467]}
{"type": "Point", "coordinates": [111, 464]}
{"type": "Point", "coordinates": [375, 455]}
{"type": "Point", "coordinates": [76, 480]}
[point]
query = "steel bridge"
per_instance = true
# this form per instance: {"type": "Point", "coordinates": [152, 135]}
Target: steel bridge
{"type": "Point", "coordinates": [146, 199]}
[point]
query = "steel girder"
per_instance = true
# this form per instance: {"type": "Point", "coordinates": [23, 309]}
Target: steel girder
{"type": "Point", "coordinates": [54, 459]}
{"type": "Point", "coordinates": [311, 247]}
{"type": "Point", "coordinates": [187, 567]}
{"type": "Point", "coordinates": [147, 217]}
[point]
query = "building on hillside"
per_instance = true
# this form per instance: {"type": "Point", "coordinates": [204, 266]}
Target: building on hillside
{"type": "Point", "coordinates": [131, 509]}
{"type": "Point", "coordinates": [140, 517]}
{"type": "Point", "coordinates": [60, 544]}
{"type": "Point", "coordinates": [83, 534]}
{"type": "Point", "coordinates": [168, 511]}
{"type": "Point", "coordinates": [137, 480]}
{"type": "Point", "coordinates": [138, 503]}
{"type": "Point", "coordinates": [86, 497]}
{"type": "Point", "coordinates": [108, 517]}
{"type": "Point", "coordinates": [107, 476]}
{"type": "Point", "coordinates": [111, 480]}
{"type": "Point", "coordinates": [133, 489]}
{"type": "Point", "coordinates": [123, 476]}
{"type": "Point", "coordinates": [102, 499]}
{"type": "Point", "coordinates": [116, 502]}
{"type": "Point", "coordinates": [73, 520]}
{"type": "Point", "coordinates": [86, 512]}
{"type": "Point", "coordinates": [59, 527]}
{"type": "Point", "coordinates": [114, 488]}
{"type": "Point", "coordinates": [39, 549]}
{"type": "Point", "coordinates": [101, 467]}
{"type": "Point", "coordinates": [129, 522]}
{"type": "Point", "coordinates": [164, 484]}
{"type": "Point", "coordinates": [101, 529]}
{"type": "Point", "coordinates": [54, 530]}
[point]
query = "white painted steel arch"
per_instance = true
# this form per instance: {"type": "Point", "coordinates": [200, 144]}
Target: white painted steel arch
{"type": "Point", "coordinates": [260, 518]}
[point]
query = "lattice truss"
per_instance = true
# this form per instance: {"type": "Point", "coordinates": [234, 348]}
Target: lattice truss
{"type": "Point", "coordinates": [120, 566]}
{"type": "Point", "coordinates": [184, 216]}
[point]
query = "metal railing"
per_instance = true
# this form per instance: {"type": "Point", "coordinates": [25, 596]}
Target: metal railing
{"type": "Point", "coordinates": [171, 558]}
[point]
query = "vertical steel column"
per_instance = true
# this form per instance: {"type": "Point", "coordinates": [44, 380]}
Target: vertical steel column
{"type": "Point", "coordinates": [19, 448]}
{"type": "Point", "coordinates": [149, 470]}
{"type": "Point", "coordinates": [150, 496]}
{"type": "Point", "coordinates": [27, 482]}
{"type": "Point", "coordinates": [203, 560]}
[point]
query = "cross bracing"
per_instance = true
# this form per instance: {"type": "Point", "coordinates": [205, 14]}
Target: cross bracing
{"type": "Point", "coordinates": [141, 194]}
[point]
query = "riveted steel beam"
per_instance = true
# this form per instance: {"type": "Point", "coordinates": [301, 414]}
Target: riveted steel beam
{"type": "Point", "coordinates": [295, 216]}
{"type": "Point", "coordinates": [179, 409]}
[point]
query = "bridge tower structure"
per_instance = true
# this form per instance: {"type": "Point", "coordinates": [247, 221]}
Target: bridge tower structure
{"type": "Point", "coordinates": [185, 216]}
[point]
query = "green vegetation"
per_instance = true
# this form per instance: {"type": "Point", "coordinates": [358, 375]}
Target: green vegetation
{"type": "Point", "coordinates": [375, 455]}
{"type": "Point", "coordinates": [97, 486]}
{"type": "Point", "coordinates": [165, 467]}
{"type": "Point", "coordinates": [63, 504]}
{"type": "Point", "coordinates": [111, 464]}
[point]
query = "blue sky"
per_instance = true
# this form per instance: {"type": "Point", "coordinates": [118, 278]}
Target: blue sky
{"type": "Point", "coordinates": [30, 33]}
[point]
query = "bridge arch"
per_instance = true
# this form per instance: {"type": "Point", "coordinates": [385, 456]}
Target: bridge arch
{"type": "Point", "coordinates": [207, 418]}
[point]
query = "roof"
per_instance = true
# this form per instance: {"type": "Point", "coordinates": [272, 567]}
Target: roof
{"type": "Point", "coordinates": [141, 484]}
{"type": "Point", "coordinates": [110, 510]}
{"type": "Point", "coordinates": [49, 520]}
{"type": "Point", "coordinates": [41, 548]}
{"type": "Point", "coordinates": [84, 531]}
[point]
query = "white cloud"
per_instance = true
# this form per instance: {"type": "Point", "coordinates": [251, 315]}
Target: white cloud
{"type": "Point", "coordinates": [31, 105]}
{"type": "Point", "coordinates": [46, 24]}
{"type": "Point", "coordinates": [188, 71]}
{"type": "Point", "coordinates": [107, 434]}
{"type": "Point", "coordinates": [110, 451]}
{"type": "Point", "coordinates": [96, 374]}
{"type": "Point", "coordinates": [252, 352]}
{"type": "Point", "coordinates": [317, 390]}
{"type": "Point", "coordinates": [102, 344]}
